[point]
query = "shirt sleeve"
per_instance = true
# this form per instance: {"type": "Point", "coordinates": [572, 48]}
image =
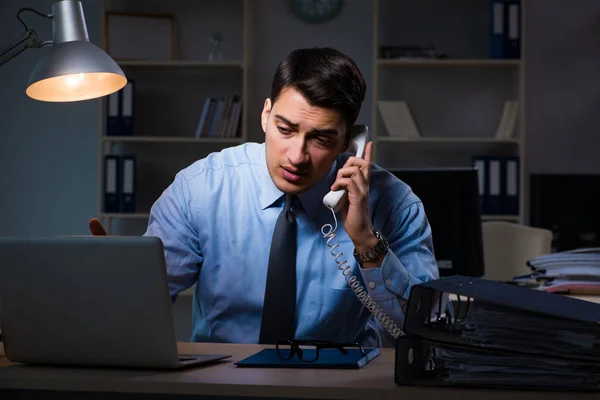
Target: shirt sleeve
{"type": "Point", "coordinates": [410, 260]}
{"type": "Point", "coordinates": [171, 222]}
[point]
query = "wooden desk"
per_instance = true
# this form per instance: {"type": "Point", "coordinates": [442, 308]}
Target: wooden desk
{"type": "Point", "coordinates": [374, 381]}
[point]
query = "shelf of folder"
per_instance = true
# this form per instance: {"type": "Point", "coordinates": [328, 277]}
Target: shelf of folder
{"type": "Point", "coordinates": [447, 140]}
{"type": "Point", "coordinates": [125, 215]}
{"type": "Point", "coordinates": [170, 139]}
{"type": "Point", "coordinates": [180, 64]}
{"type": "Point", "coordinates": [421, 62]}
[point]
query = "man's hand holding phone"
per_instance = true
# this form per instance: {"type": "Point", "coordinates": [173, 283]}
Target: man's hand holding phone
{"type": "Point", "coordinates": [354, 176]}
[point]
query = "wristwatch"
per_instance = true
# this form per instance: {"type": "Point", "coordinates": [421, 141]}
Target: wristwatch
{"type": "Point", "coordinates": [380, 248]}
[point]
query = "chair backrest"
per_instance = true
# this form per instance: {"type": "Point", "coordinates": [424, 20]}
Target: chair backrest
{"type": "Point", "coordinates": [507, 247]}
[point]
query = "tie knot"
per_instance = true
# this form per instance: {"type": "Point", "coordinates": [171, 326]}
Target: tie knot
{"type": "Point", "coordinates": [290, 199]}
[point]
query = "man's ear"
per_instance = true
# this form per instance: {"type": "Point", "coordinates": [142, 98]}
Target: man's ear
{"type": "Point", "coordinates": [264, 116]}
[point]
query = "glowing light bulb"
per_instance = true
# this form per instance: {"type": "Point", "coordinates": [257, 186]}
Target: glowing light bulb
{"type": "Point", "coordinates": [75, 85]}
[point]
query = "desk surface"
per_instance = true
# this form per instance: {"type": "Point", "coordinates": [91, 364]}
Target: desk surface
{"type": "Point", "coordinates": [375, 380]}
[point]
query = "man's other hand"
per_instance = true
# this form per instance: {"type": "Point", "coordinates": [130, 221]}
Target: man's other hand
{"type": "Point", "coordinates": [96, 228]}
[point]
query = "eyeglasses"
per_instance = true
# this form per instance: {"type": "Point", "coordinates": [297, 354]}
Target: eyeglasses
{"type": "Point", "coordinates": [308, 350]}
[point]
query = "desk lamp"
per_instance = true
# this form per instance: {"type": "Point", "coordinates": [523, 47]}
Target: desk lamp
{"type": "Point", "coordinates": [73, 68]}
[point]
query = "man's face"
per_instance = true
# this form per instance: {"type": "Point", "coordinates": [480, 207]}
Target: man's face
{"type": "Point", "coordinates": [302, 141]}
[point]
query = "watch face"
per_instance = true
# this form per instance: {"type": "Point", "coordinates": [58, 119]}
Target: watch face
{"type": "Point", "coordinates": [316, 11]}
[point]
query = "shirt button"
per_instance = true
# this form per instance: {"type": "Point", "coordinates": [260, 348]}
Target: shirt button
{"type": "Point", "coordinates": [372, 285]}
{"type": "Point", "coordinates": [388, 282]}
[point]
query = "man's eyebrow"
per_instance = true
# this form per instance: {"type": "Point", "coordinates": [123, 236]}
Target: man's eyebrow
{"type": "Point", "coordinates": [319, 131]}
{"type": "Point", "coordinates": [287, 121]}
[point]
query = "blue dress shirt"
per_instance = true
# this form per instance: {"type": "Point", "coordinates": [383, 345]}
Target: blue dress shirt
{"type": "Point", "coordinates": [216, 221]}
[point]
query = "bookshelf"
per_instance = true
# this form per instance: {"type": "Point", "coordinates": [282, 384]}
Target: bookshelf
{"type": "Point", "coordinates": [169, 94]}
{"type": "Point", "coordinates": [457, 98]}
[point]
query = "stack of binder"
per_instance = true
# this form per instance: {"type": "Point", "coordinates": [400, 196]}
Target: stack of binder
{"type": "Point", "coordinates": [499, 336]}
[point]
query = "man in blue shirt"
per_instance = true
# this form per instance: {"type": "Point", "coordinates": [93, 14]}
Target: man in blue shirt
{"type": "Point", "coordinates": [216, 220]}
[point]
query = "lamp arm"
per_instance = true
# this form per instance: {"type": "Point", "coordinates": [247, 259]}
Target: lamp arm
{"type": "Point", "coordinates": [28, 40]}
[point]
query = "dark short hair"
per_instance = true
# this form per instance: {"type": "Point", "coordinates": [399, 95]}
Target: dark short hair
{"type": "Point", "coordinates": [326, 77]}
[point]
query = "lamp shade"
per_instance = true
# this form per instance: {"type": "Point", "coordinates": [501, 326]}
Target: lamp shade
{"type": "Point", "coordinates": [73, 71]}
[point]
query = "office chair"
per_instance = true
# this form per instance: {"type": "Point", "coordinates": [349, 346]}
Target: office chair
{"type": "Point", "coordinates": [507, 247]}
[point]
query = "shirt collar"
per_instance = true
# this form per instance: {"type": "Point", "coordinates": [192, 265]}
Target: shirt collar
{"type": "Point", "coordinates": [311, 199]}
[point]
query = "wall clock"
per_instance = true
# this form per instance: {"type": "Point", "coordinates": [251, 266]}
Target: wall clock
{"type": "Point", "coordinates": [316, 11]}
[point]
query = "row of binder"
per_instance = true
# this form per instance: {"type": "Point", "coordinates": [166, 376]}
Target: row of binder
{"type": "Point", "coordinates": [119, 183]}
{"type": "Point", "coordinates": [505, 35]}
{"type": "Point", "coordinates": [220, 118]}
{"type": "Point", "coordinates": [498, 179]}
{"type": "Point", "coordinates": [120, 110]}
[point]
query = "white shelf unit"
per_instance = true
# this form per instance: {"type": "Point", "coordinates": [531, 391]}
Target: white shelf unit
{"type": "Point", "coordinates": [169, 96]}
{"type": "Point", "coordinates": [456, 101]}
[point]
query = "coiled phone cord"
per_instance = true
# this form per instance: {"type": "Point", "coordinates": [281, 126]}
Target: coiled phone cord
{"type": "Point", "coordinates": [328, 232]}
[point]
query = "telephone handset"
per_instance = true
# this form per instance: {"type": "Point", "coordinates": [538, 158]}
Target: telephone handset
{"type": "Point", "coordinates": [335, 201]}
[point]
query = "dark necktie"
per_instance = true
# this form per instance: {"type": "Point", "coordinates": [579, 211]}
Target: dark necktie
{"type": "Point", "coordinates": [279, 306]}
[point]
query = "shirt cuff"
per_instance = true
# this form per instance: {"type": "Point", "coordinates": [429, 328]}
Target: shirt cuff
{"type": "Point", "coordinates": [388, 281]}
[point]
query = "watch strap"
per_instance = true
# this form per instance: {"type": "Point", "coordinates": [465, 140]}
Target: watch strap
{"type": "Point", "coordinates": [380, 248]}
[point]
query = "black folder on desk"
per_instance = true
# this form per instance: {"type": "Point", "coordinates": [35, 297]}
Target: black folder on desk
{"type": "Point", "coordinates": [328, 358]}
{"type": "Point", "coordinates": [499, 335]}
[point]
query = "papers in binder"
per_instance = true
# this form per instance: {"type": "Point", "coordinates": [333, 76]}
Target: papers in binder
{"type": "Point", "coordinates": [465, 367]}
{"type": "Point", "coordinates": [500, 335]}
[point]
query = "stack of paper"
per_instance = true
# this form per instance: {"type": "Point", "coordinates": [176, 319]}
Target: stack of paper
{"type": "Point", "coordinates": [573, 271]}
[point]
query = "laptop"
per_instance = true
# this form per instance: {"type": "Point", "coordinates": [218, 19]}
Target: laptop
{"type": "Point", "coordinates": [94, 301]}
